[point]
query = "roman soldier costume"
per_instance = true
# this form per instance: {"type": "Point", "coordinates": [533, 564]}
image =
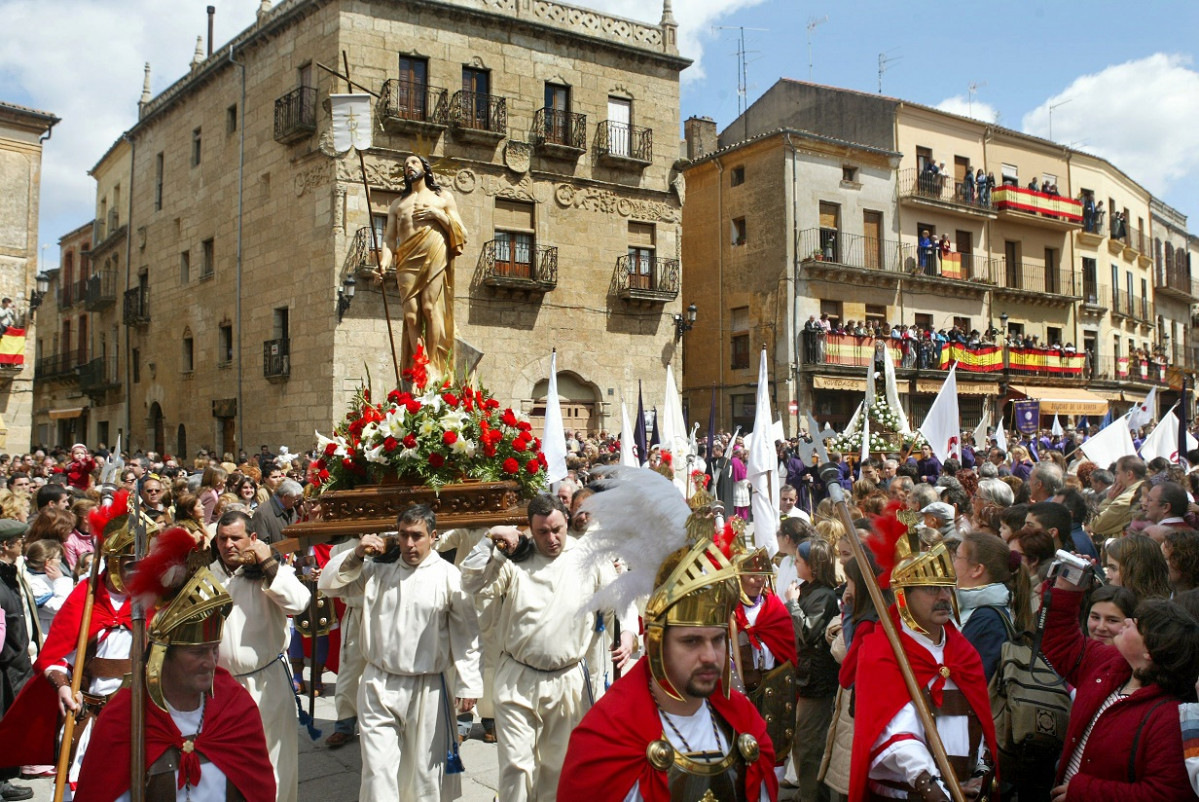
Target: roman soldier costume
{"type": "Point", "coordinates": [890, 758]}
{"type": "Point", "coordinates": [627, 742]}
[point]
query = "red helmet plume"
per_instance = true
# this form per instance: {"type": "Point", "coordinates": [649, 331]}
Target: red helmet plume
{"type": "Point", "coordinates": [888, 529]}
{"type": "Point", "coordinates": [101, 517]}
{"type": "Point", "coordinates": [165, 569]}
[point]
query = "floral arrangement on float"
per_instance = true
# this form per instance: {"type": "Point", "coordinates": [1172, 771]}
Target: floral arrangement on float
{"type": "Point", "coordinates": [436, 433]}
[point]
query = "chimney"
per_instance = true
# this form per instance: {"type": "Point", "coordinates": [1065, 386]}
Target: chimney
{"type": "Point", "coordinates": [700, 133]}
{"type": "Point", "coordinates": [211, 14]}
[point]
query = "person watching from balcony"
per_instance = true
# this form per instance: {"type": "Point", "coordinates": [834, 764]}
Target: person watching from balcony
{"type": "Point", "coordinates": [1033, 185]}
{"type": "Point", "coordinates": [927, 253]}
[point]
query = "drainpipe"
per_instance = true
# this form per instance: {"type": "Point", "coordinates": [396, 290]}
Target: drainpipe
{"type": "Point", "coordinates": [793, 288]}
{"type": "Point", "coordinates": [720, 282]}
{"type": "Point", "coordinates": [241, 172]}
{"type": "Point", "coordinates": [128, 280]}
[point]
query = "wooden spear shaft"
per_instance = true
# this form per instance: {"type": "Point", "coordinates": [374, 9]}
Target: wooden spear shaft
{"type": "Point", "coordinates": [68, 730]}
{"type": "Point", "coordinates": [395, 362]}
{"type": "Point", "coordinates": [137, 655]}
{"type": "Point", "coordinates": [915, 692]}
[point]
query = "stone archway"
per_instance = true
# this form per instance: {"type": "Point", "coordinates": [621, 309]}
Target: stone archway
{"type": "Point", "coordinates": [578, 398]}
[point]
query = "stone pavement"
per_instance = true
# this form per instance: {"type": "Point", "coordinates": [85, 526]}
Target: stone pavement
{"type": "Point", "coordinates": [332, 776]}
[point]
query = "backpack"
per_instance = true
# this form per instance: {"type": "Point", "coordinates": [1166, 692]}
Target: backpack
{"type": "Point", "coordinates": [1030, 703]}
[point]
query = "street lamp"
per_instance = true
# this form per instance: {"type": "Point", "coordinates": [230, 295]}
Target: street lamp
{"type": "Point", "coordinates": [42, 286]}
{"type": "Point", "coordinates": [345, 294]}
{"type": "Point", "coordinates": [1003, 320]}
{"type": "Point", "coordinates": [682, 325]}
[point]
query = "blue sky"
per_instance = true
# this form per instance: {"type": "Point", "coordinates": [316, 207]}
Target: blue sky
{"type": "Point", "coordinates": [1127, 72]}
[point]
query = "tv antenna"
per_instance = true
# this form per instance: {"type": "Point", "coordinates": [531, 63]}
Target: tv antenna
{"type": "Point", "coordinates": [971, 91]}
{"type": "Point", "coordinates": [813, 23]}
{"type": "Point", "coordinates": [1051, 108]}
{"type": "Point", "coordinates": [742, 85]}
{"type": "Point", "coordinates": [883, 61]}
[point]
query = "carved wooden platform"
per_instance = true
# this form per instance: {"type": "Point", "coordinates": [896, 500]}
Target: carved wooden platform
{"type": "Point", "coordinates": [374, 509]}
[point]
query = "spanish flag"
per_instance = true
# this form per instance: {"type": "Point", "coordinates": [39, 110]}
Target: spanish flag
{"type": "Point", "coordinates": [12, 347]}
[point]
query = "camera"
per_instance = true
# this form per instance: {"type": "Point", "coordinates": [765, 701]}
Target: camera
{"type": "Point", "coordinates": [1069, 566]}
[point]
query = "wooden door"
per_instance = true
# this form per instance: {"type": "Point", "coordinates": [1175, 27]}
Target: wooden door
{"type": "Point", "coordinates": [872, 234]}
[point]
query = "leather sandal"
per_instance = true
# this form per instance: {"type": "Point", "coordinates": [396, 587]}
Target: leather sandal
{"type": "Point", "coordinates": [338, 739]}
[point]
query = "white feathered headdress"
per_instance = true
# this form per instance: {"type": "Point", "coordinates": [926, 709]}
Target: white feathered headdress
{"type": "Point", "coordinates": [638, 516]}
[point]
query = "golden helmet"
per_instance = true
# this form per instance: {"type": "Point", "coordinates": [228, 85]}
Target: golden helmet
{"type": "Point", "coordinates": [114, 526]}
{"type": "Point", "coordinates": [897, 544]}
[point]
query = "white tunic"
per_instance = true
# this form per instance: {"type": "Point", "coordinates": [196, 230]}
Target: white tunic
{"type": "Point", "coordinates": [256, 633]}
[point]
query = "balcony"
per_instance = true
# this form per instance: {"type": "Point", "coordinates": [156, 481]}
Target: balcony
{"type": "Point", "coordinates": [1032, 282]}
{"type": "Point", "coordinates": [295, 115]}
{"type": "Point", "coordinates": [98, 376]}
{"type": "Point", "coordinates": [1096, 300]}
{"type": "Point", "coordinates": [411, 108]}
{"type": "Point", "coordinates": [276, 359]}
{"type": "Point", "coordinates": [942, 193]}
{"type": "Point", "coordinates": [101, 291]}
{"type": "Point", "coordinates": [1176, 284]}
{"type": "Point", "coordinates": [479, 117]}
{"type": "Point", "coordinates": [362, 257]}
{"type": "Point", "coordinates": [137, 307]}
{"type": "Point", "coordinates": [837, 256]}
{"type": "Point", "coordinates": [1123, 368]}
{"type": "Point", "coordinates": [558, 133]}
{"type": "Point", "coordinates": [624, 145]}
{"type": "Point", "coordinates": [519, 268]}
{"type": "Point", "coordinates": [647, 280]}
{"type": "Point", "coordinates": [1037, 208]}
{"type": "Point", "coordinates": [71, 293]}
{"type": "Point", "coordinates": [56, 366]}
{"type": "Point", "coordinates": [1093, 228]}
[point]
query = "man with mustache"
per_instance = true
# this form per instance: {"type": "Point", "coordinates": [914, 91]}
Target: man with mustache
{"type": "Point", "coordinates": [672, 728]}
{"type": "Point", "coordinates": [891, 759]}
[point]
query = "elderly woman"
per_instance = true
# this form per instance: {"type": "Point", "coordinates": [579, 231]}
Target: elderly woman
{"type": "Point", "coordinates": [1124, 741]}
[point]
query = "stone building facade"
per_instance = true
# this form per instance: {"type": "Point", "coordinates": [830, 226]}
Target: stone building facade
{"type": "Point", "coordinates": [815, 202]}
{"type": "Point", "coordinates": [22, 132]}
{"type": "Point", "coordinates": [556, 130]}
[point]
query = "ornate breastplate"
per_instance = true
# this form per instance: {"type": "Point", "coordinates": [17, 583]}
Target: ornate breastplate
{"type": "Point", "coordinates": [692, 780]}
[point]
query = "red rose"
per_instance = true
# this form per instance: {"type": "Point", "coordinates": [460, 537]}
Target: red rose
{"type": "Point", "coordinates": [511, 466]}
{"type": "Point", "coordinates": [450, 399]}
{"type": "Point", "coordinates": [436, 460]}
{"type": "Point", "coordinates": [347, 463]}
{"type": "Point", "coordinates": [320, 463]}
{"type": "Point", "coordinates": [524, 426]}
{"type": "Point", "coordinates": [409, 440]}
{"type": "Point", "coordinates": [468, 405]}
{"type": "Point", "coordinates": [413, 406]}
{"type": "Point", "coordinates": [390, 444]}
{"type": "Point", "coordinates": [324, 475]}
{"type": "Point", "coordinates": [449, 438]}
{"type": "Point", "coordinates": [488, 450]}
{"type": "Point", "coordinates": [394, 396]}
{"type": "Point", "coordinates": [533, 466]}
{"type": "Point", "coordinates": [492, 403]}
{"type": "Point", "coordinates": [541, 458]}
{"type": "Point", "coordinates": [536, 444]}
{"type": "Point", "coordinates": [509, 417]}
{"type": "Point", "coordinates": [330, 449]}
{"type": "Point", "coordinates": [519, 445]}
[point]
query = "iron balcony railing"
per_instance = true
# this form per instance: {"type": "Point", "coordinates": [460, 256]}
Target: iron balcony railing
{"type": "Point", "coordinates": [98, 374]}
{"type": "Point", "coordinates": [651, 277]}
{"type": "Point", "coordinates": [1096, 295]}
{"type": "Point", "coordinates": [478, 111]}
{"type": "Point", "coordinates": [295, 114]}
{"type": "Point", "coordinates": [362, 257]}
{"type": "Point", "coordinates": [509, 262]}
{"type": "Point", "coordinates": [1175, 280]}
{"type": "Point", "coordinates": [137, 307]}
{"type": "Point", "coordinates": [406, 101]}
{"type": "Point", "coordinates": [915, 184]}
{"type": "Point", "coordinates": [101, 290]}
{"type": "Point", "coordinates": [276, 358]}
{"type": "Point", "coordinates": [562, 128]}
{"type": "Point", "coordinates": [624, 141]}
{"type": "Point", "coordinates": [1030, 277]}
{"type": "Point", "coordinates": [56, 365]}
{"type": "Point", "coordinates": [855, 250]}
{"type": "Point", "coordinates": [1123, 368]}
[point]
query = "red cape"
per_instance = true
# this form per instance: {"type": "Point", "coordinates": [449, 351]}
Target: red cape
{"type": "Point", "coordinates": [232, 739]}
{"type": "Point", "coordinates": [882, 693]}
{"type": "Point", "coordinates": [29, 731]}
{"type": "Point", "coordinates": [606, 756]}
{"type": "Point", "coordinates": [774, 628]}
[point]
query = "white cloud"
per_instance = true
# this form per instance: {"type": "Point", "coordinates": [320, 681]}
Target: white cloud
{"type": "Point", "coordinates": [89, 73]}
{"type": "Point", "coordinates": [975, 109]}
{"type": "Point", "coordinates": [1142, 115]}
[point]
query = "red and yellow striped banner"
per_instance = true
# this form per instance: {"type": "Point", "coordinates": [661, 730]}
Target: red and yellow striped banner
{"type": "Point", "coordinates": [12, 346]}
{"type": "Point", "coordinates": [1037, 360]}
{"type": "Point", "coordinates": [983, 359]}
{"type": "Point", "coordinates": [846, 349]}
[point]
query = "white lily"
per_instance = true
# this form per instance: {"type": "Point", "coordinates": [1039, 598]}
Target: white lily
{"type": "Point", "coordinates": [454, 419]}
{"type": "Point", "coordinates": [369, 431]}
{"type": "Point", "coordinates": [342, 447]}
{"type": "Point", "coordinates": [409, 453]}
{"type": "Point", "coordinates": [375, 455]}
{"type": "Point", "coordinates": [463, 447]}
{"type": "Point", "coordinates": [432, 400]}
{"type": "Point", "coordinates": [427, 427]}
{"type": "Point", "coordinates": [393, 424]}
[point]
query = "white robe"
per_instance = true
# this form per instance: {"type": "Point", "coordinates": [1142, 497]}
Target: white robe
{"type": "Point", "coordinates": [256, 633]}
{"type": "Point", "coordinates": [418, 635]}
{"type": "Point", "coordinates": [545, 631]}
